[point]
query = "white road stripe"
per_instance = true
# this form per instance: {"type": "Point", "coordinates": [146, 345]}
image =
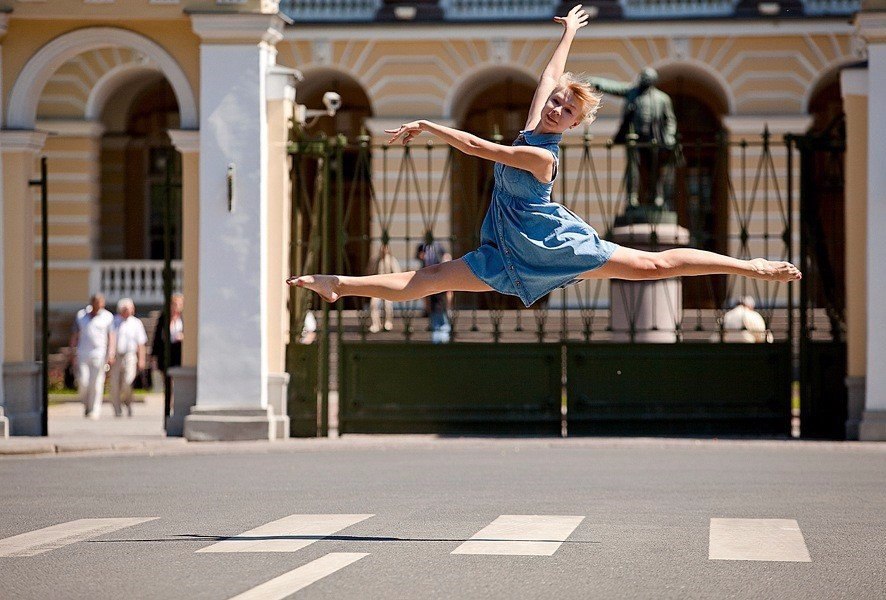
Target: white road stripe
{"type": "Point", "coordinates": [56, 536]}
{"type": "Point", "coordinates": [530, 535]}
{"type": "Point", "coordinates": [757, 539]}
{"type": "Point", "coordinates": [291, 582]}
{"type": "Point", "coordinates": [287, 534]}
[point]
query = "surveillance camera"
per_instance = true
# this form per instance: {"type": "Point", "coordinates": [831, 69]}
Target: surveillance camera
{"type": "Point", "coordinates": [332, 102]}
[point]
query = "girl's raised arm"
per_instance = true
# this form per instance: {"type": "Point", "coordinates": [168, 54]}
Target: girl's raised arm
{"type": "Point", "coordinates": [572, 22]}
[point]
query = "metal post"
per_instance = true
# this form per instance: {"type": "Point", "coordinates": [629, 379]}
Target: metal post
{"type": "Point", "coordinates": [324, 261]}
{"type": "Point", "coordinates": [44, 300]}
{"type": "Point", "coordinates": [167, 288]}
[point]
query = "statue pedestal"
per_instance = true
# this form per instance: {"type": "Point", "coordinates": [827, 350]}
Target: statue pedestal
{"type": "Point", "coordinates": [647, 311]}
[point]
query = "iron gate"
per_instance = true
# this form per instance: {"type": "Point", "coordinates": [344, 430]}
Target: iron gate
{"type": "Point", "coordinates": [560, 365]}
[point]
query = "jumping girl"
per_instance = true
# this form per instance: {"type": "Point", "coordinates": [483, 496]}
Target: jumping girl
{"type": "Point", "coordinates": [530, 245]}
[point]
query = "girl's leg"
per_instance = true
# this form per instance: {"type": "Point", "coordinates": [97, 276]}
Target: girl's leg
{"type": "Point", "coordinates": [627, 263]}
{"type": "Point", "coordinates": [452, 276]}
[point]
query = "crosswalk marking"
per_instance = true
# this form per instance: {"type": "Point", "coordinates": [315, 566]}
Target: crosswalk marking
{"type": "Point", "coordinates": [291, 582]}
{"type": "Point", "coordinates": [56, 536]}
{"type": "Point", "coordinates": [288, 534]}
{"type": "Point", "coordinates": [530, 535]}
{"type": "Point", "coordinates": [757, 539]}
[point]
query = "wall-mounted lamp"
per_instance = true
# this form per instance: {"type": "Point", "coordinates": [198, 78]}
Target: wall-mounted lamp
{"type": "Point", "coordinates": [331, 101]}
{"type": "Point", "coordinates": [230, 183]}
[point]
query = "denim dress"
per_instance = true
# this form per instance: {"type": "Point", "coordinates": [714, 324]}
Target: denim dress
{"type": "Point", "coordinates": [530, 246]}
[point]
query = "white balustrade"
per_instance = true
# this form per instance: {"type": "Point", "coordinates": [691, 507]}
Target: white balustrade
{"type": "Point", "coordinates": [831, 7]}
{"type": "Point", "coordinates": [141, 280]}
{"type": "Point", "coordinates": [651, 9]}
{"type": "Point", "coordinates": [496, 9]}
{"type": "Point", "coordinates": [330, 10]}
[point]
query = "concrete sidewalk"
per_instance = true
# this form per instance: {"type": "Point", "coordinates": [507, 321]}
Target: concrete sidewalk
{"type": "Point", "coordinates": [70, 431]}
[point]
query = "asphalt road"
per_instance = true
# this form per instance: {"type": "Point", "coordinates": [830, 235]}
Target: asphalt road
{"type": "Point", "coordinates": [646, 505]}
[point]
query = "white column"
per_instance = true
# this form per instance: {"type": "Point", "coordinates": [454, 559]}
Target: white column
{"type": "Point", "coordinates": [232, 367]}
{"type": "Point", "coordinates": [872, 27]}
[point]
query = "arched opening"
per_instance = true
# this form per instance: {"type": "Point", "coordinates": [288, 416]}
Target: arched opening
{"type": "Point", "coordinates": [823, 200]}
{"type": "Point", "coordinates": [496, 110]}
{"type": "Point", "coordinates": [136, 154]}
{"type": "Point", "coordinates": [701, 187]}
{"type": "Point", "coordinates": [350, 121]}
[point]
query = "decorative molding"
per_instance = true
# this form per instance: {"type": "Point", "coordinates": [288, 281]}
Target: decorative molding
{"type": "Point", "coordinates": [871, 26]}
{"type": "Point", "coordinates": [853, 82]}
{"type": "Point", "coordinates": [281, 83]}
{"type": "Point", "coordinates": [23, 99]}
{"type": "Point", "coordinates": [777, 124]}
{"type": "Point", "coordinates": [612, 31]}
{"type": "Point", "coordinates": [71, 127]}
{"type": "Point", "coordinates": [321, 51]}
{"type": "Point", "coordinates": [186, 141]}
{"type": "Point", "coordinates": [22, 140]}
{"type": "Point", "coordinates": [238, 28]}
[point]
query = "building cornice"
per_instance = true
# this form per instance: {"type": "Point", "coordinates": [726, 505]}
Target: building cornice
{"type": "Point", "coordinates": [22, 140]}
{"type": "Point", "coordinates": [186, 141]}
{"type": "Point", "coordinates": [71, 127]}
{"type": "Point", "coordinates": [238, 28]}
{"type": "Point", "coordinates": [608, 30]}
{"type": "Point", "coordinates": [777, 124]}
{"type": "Point", "coordinates": [871, 26]}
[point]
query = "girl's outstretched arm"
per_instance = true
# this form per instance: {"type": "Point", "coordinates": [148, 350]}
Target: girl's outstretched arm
{"type": "Point", "coordinates": [538, 161]}
{"type": "Point", "coordinates": [572, 22]}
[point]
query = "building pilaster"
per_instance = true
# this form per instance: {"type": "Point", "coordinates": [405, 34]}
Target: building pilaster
{"type": "Point", "coordinates": [21, 397]}
{"type": "Point", "coordinates": [871, 26]}
{"type": "Point", "coordinates": [854, 89]}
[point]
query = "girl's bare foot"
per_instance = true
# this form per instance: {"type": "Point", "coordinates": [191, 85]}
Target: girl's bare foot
{"type": "Point", "coordinates": [324, 285]}
{"type": "Point", "coordinates": [775, 270]}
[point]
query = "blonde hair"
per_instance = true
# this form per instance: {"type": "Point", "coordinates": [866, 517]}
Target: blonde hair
{"type": "Point", "coordinates": [586, 96]}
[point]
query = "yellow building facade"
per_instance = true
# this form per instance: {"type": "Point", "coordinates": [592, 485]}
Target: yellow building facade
{"type": "Point", "coordinates": [113, 93]}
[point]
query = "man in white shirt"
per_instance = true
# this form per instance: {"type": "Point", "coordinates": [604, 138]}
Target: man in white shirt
{"type": "Point", "coordinates": [130, 355]}
{"type": "Point", "coordinates": [94, 339]}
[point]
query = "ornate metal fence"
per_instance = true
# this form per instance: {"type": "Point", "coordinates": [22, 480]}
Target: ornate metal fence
{"type": "Point", "coordinates": [731, 197]}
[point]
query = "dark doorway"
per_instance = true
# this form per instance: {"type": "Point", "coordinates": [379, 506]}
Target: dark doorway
{"type": "Point", "coordinates": [497, 110]}
{"type": "Point", "coordinates": [356, 209]}
{"type": "Point", "coordinates": [134, 155]}
{"type": "Point", "coordinates": [700, 190]}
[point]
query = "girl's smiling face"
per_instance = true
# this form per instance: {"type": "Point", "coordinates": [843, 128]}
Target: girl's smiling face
{"type": "Point", "coordinates": [560, 112]}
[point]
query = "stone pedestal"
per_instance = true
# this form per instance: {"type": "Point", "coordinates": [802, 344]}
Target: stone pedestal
{"type": "Point", "coordinates": [278, 387]}
{"type": "Point", "coordinates": [4, 425]}
{"type": "Point", "coordinates": [873, 426]}
{"type": "Point", "coordinates": [230, 424]}
{"type": "Point", "coordinates": [24, 405]}
{"type": "Point", "coordinates": [855, 405]}
{"type": "Point", "coordinates": [651, 309]}
{"type": "Point", "coordinates": [184, 397]}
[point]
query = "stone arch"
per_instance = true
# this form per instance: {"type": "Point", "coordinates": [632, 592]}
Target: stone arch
{"type": "Point", "coordinates": [825, 77]}
{"type": "Point", "coordinates": [22, 110]}
{"type": "Point", "coordinates": [722, 98]}
{"type": "Point", "coordinates": [460, 97]}
{"type": "Point", "coordinates": [355, 98]}
{"type": "Point", "coordinates": [109, 83]}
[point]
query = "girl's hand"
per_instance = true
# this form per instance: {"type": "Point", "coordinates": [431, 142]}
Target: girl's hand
{"type": "Point", "coordinates": [407, 130]}
{"type": "Point", "coordinates": [575, 20]}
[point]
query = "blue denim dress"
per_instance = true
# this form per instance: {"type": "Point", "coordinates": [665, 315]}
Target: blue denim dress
{"type": "Point", "coordinates": [530, 246]}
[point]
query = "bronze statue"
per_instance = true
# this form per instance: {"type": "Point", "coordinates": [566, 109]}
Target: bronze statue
{"type": "Point", "coordinates": [648, 117]}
